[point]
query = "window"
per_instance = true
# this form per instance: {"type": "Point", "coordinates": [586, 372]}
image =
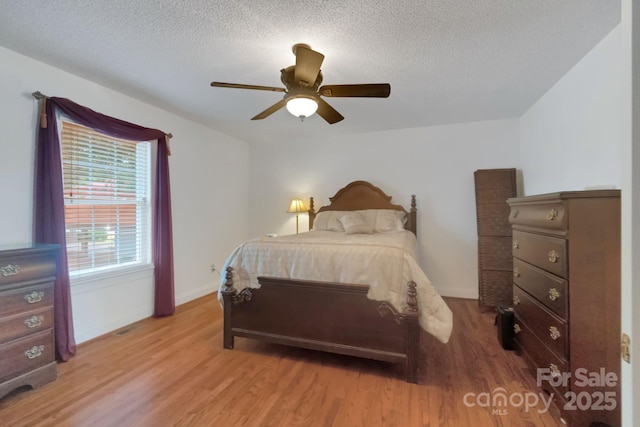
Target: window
{"type": "Point", "coordinates": [107, 191]}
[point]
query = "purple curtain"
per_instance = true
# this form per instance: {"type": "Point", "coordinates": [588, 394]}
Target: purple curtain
{"type": "Point", "coordinates": [49, 224]}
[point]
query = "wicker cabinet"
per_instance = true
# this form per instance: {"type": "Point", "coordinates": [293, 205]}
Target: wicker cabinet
{"type": "Point", "coordinates": [493, 188]}
{"type": "Point", "coordinates": [27, 354]}
{"type": "Point", "coordinates": [566, 298]}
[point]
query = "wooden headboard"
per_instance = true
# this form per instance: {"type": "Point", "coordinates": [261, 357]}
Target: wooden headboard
{"type": "Point", "coordinates": [360, 195]}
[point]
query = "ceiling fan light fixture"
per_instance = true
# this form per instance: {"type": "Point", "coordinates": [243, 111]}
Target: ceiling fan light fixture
{"type": "Point", "coordinates": [302, 106]}
{"type": "Point", "coordinates": [303, 93]}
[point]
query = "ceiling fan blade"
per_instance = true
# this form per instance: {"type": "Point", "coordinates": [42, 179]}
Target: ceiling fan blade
{"type": "Point", "coordinates": [308, 64]}
{"type": "Point", "coordinates": [327, 112]}
{"type": "Point", "coordinates": [269, 111]}
{"type": "Point", "coordinates": [376, 90]}
{"type": "Point", "coordinates": [241, 86]}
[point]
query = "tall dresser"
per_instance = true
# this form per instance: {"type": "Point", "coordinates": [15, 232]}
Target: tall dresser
{"type": "Point", "coordinates": [566, 297]}
{"type": "Point", "coordinates": [493, 188]}
{"type": "Point", "coordinates": [27, 354]}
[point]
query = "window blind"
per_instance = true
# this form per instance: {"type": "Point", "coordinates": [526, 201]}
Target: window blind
{"type": "Point", "coordinates": [107, 189]}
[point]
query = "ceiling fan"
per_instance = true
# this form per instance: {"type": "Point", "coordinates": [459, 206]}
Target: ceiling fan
{"type": "Point", "coordinates": [303, 91]}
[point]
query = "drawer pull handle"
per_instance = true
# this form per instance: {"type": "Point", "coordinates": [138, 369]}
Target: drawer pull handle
{"type": "Point", "coordinates": [516, 245]}
{"type": "Point", "coordinates": [553, 256]}
{"type": "Point", "coordinates": [516, 328]}
{"type": "Point", "coordinates": [554, 333]}
{"type": "Point", "coordinates": [516, 212]}
{"type": "Point", "coordinates": [554, 294]}
{"type": "Point", "coordinates": [552, 214]}
{"type": "Point", "coordinates": [34, 297]}
{"type": "Point", "coordinates": [516, 272]}
{"type": "Point", "coordinates": [516, 300]}
{"type": "Point", "coordinates": [10, 270]}
{"type": "Point", "coordinates": [34, 321]}
{"type": "Point", "coordinates": [34, 352]}
{"type": "Point", "coordinates": [555, 371]}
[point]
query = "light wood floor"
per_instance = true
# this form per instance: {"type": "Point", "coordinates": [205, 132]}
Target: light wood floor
{"type": "Point", "coordinates": [174, 372]}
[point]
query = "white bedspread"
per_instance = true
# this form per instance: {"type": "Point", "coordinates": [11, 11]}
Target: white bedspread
{"type": "Point", "coordinates": [385, 261]}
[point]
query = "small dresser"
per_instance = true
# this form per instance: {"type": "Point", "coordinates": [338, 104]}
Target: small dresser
{"type": "Point", "coordinates": [566, 297]}
{"type": "Point", "coordinates": [27, 353]}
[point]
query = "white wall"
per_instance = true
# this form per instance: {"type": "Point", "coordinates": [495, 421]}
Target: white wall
{"type": "Point", "coordinates": [585, 127]}
{"type": "Point", "coordinates": [630, 80]}
{"type": "Point", "coordinates": [209, 173]}
{"type": "Point", "coordinates": [436, 164]}
{"type": "Point", "coordinates": [572, 137]}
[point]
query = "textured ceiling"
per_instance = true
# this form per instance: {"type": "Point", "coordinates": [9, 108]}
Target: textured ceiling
{"type": "Point", "coordinates": [448, 61]}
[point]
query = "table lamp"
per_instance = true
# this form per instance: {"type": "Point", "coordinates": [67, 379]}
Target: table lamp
{"type": "Point", "coordinates": [296, 207]}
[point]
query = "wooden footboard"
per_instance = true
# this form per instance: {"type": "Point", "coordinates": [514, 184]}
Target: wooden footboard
{"type": "Point", "coordinates": [332, 317]}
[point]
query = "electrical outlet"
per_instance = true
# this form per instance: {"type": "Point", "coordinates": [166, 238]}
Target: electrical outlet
{"type": "Point", "coordinates": [213, 267]}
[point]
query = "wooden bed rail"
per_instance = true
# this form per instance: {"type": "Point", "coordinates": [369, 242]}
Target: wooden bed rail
{"type": "Point", "coordinates": [325, 316]}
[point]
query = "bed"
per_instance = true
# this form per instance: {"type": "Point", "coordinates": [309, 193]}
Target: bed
{"type": "Point", "coordinates": [339, 288]}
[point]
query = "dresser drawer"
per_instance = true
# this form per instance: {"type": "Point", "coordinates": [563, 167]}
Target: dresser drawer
{"type": "Point", "coordinates": [23, 324]}
{"type": "Point", "coordinates": [548, 253]}
{"type": "Point", "coordinates": [550, 215]}
{"type": "Point", "coordinates": [547, 288]}
{"type": "Point", "coordinates": [22, 268]}
{"type": "Point", "coordinates": [25, 299]}
{"type": "Point", "coordinates": [540, 356]}
{"type": "Point", "coordinates": [25, 354]}
{"type": "Point", "coordinates": [549, 328]}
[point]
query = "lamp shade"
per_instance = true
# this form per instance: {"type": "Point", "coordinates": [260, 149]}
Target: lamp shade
{"type": "Point", "coordinates": [296, 206]}
{"type": "Point", "coordinates": [302, 106]}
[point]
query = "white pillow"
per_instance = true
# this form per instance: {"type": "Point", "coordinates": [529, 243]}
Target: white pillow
{"type": "Point", "coordinates": [354, 223]}
{"type": "Point", "coordinates": [389, 220]}
{"type": "Point", "coordinates": [327, 221]}
{"type": "Point", "coordinates": [379, 220]}
{"type": "Point", "coordinates": [384, 220]}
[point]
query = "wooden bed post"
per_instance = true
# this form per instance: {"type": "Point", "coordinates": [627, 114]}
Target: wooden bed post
{"type": "Point", "coordinates": [312, 213]}
{"type": "Point", "coordinates": [413, 333]}
{"type": "Point", "coordinates": [409, 320]}
{"type": "Point", "coordinates": [227, 298]}
{"type": "Point", "coordinates": [412, 223]}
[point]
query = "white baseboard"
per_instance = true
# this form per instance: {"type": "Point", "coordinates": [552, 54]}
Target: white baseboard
{"type": "Point", "coordinates": [458, 293]}
{"type": "Point", "coordinates": [195, 293]}
{"type": "Point", "coordinates": [111, 326]}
